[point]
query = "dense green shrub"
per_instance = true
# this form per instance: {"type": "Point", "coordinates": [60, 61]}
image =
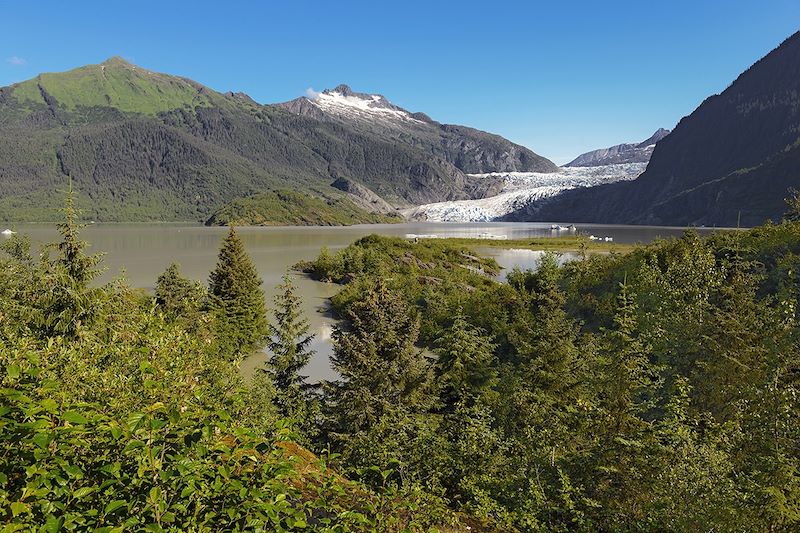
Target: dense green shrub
{"type": "Point", "coordinates": [654, 390]}
{"type": "Point", "coordinates": [120, 412]}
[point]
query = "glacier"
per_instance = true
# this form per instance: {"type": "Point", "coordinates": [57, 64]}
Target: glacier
{"type": "Point", "coordinates": [520, 189]}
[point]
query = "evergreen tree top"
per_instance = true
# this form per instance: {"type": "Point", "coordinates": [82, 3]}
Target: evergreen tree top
{"type": "Point", "coordinates": [72, 250]}
{"type": "Point", "coordinates": [236, 294]}
{"type": "Point", "coordinates": [235, 275]}
{"type": "Point", "coordinates": [289, 338]}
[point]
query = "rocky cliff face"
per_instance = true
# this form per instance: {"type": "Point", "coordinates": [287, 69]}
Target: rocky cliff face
{"type": "Point", "coordinates": [471, 151]}
{"type": "Point", "coordinates": [363, 197]}
{"type": "Point", "coordinates": [731, 160]}
{"type": "Point", "coordinates": [477, 152]}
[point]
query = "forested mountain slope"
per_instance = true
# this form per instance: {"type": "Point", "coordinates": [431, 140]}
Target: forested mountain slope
{"type": "Point", "coordinates": [140, 145]}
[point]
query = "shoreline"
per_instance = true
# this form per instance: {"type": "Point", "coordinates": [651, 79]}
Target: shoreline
{"type": "Point", "coordinates": [544, 244]}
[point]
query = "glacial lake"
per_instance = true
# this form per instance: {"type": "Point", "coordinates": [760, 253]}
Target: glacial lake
{"type": "Point", "coordinates": [140, 252]}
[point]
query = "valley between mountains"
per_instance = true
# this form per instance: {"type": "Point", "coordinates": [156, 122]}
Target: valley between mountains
{"type": "Point", "coordinates": [145, 146]}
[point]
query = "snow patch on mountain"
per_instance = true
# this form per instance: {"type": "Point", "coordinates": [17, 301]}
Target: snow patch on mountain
{"type": "Point", "coordinates": [346, 103]}
{"type": "Point", "coordinates": [520, 189]}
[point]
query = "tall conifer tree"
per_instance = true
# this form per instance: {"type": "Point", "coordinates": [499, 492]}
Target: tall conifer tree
{"type": "Point", "coordinates": [72, 255]}
{"type": "Point", "coordinates": [466, 362]}
{"type": "Point", "coordinates": [70, 301]}
{"type": "Point", "coordinates": [376, 413]}
{"type": "Point", "coordinates": [237, 299]}
{"type": "Point", "coordinates": [289, 351]}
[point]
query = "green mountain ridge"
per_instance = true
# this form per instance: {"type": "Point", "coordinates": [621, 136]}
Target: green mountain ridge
{"type": "Point", "coordinates": [143, 146]}
{"type": "Point", "coordinates": [117, 84]}
{"type": "Point", "coordinates": [292, 208]}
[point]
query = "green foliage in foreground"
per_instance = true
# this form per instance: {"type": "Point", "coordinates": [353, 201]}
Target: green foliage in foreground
{"type": "Point", "coordinates": [655, 390]}
{"type": "Point", "coordinates": [69, 465]}
{"type": "Point", "coordinates": [118, 413]}
{"type": "Point", "coordinates": [292, 208]}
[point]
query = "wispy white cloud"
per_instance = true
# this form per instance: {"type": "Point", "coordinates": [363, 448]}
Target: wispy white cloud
{"type": "Point", "coordinates": [16, 61]}
{"type": "Point", "coordinates": [311, 93]}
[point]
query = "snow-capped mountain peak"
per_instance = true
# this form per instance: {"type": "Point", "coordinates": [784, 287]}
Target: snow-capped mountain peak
{"type": "Point", "coordinates": [343, 102]}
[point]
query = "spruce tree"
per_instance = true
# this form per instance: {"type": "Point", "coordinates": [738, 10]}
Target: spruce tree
{"type": "Point", "coordinates": [465, 363]}
{"type": "Point", "coordinates": [72, 256]}
{"type": "Point", "coordinates": [544, 336]}
{"type": "Point", "coordinates": [619, 465]}
{"type": "Point", "coordinates": [376, 412]}
{"type": "Point", "coordinates": [628, 376]}
{"type": "Point", "coordinates": [69, 302]}
{"type": "Point", "coordinates": [237, 299]}
{"type": "Point", "coordinates": [375, 351]}
{"type": "Point", "coordinates": [549, 361]}
{"type": "Point", "coordinates": [289, 352]}
{"type": "Point", "coordinates": [737, 341]}
{"type": "Point", "coordinates": [467, 373]}
{"type": "Point", "coordinates": [177, 295]}
{"type": "Point", "coordinates": [543, 391]}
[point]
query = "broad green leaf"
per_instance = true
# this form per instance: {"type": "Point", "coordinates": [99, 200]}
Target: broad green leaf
{"type": "Point", "coordinates": [53, 524]}
{"type": "Point", "coordinates": [134, 420]}
{"type": "Point", "coordinates": [75, 417]}
{"type": "Point", "coordinates": [73, 471]}
{"type": "Point", "coordinates": [17, 508]}
{"type": "Point", "coordinates": [83, 491]}
{"type": "Point", "coordinates": [50, 405]}
{"type": "Point", "coordinates": [114, 505]}
{"type": "Point", "coordinates": [42, 440]}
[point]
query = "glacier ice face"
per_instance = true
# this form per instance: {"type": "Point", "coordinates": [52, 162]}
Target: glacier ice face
{"type": "Point", "coordinates": [520, 189]}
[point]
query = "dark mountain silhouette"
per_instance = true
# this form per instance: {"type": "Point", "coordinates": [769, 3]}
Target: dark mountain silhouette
{"type": "Point", "coordinates": [731, 160]}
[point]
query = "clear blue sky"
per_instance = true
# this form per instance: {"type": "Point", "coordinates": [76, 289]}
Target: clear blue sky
{"type": "Point", "coordinates": [559, 77]}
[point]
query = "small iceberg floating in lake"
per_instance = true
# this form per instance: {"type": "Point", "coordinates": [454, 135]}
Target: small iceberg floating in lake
{"type": "Point", "coordinates": [8, 232]}
{"type": "Point", "coordinates": [556, 227]}
{"type": "Point", "coordinates": [488, 236]}
{"type": "Point", "coordinates": [606, 239]}
{"type": "Point", "coordinates": [415, 236]}
{"type": "Point", "coordinates": [493, 237]}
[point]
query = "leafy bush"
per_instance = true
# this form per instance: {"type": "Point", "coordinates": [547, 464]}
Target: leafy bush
{"type": "Point", "coordinates": [654, 390]}
{"type": "Point", "coordinates": [118, 413]}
